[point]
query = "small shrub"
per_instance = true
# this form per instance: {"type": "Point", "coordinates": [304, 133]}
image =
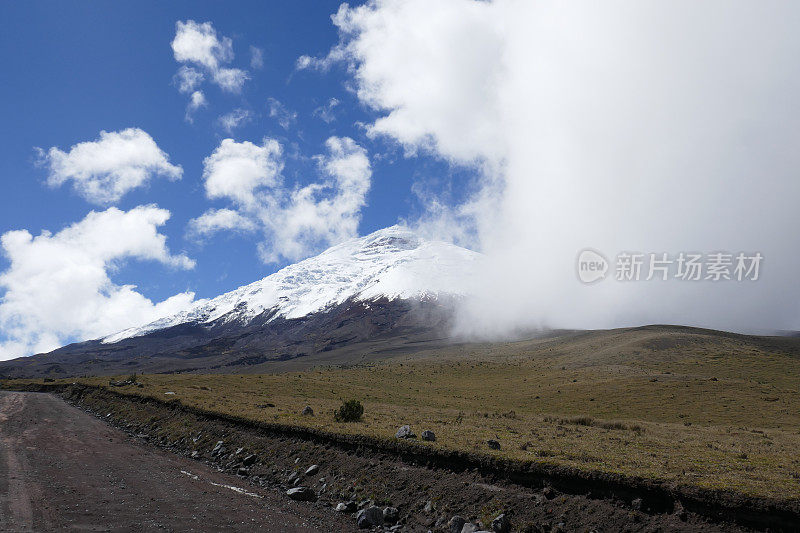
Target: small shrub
{"type": "Point", "coordinates": [350, 411]}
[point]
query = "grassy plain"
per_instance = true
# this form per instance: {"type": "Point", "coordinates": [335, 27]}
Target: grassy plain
{"type": "Point", "coordinates": [686, 406]}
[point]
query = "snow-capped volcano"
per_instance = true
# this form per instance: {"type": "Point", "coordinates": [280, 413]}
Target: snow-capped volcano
{"type": "Point", "coordinates": [392, 263]}
{"type": "Point", "coordinates": [390, 292]}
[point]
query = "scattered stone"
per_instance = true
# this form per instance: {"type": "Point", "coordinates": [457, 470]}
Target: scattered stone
{"type": "Point", "coordinates": [244, 472]}
{"type": "Point", "coordinates": [456, 524]}
{"type": "Point", "coordinates": [391, 515]}
{"type": "Point", "coordinates": [307, 411]}
{"type": "Point", "coordinates": [370, 517]}
{"type": "Point", "coordinates": [549, 493]}
{"type": "Point", "coordinates": [428, 435]}
{"type": "Point", "coordinates": [428, 507]}
{"type": "Point", "coordinates": [347, 507]}
{"type": "Point", "coordinates": [493, 444]}
{"type": "Point", "coordinates": [405, 433]}
{"type": "Point", "coordinates": [249, 460]}
{"type": "Point", "coordinates": [292, 477]}
{"type": "Point", "coordinates": [637, 504]}
{"type": "Point", "coordinates": [364, 504]}
{"type": "Point", "coordinates": [195, 454]}
{"type": "Point", "coordinates": [470, 528]}
{"type": "Point", "coordinates": [302, 494]}
{"type": "Point", "coordinates": [169, 393]}
{"type": "Point", "coordinates": [313, 469]}
{"type": "Point", "coordinates": [218, 448]}
{"type": "Point", "coordinates": [500, 524]}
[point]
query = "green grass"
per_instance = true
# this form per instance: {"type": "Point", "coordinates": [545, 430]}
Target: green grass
{"type": "Point", "coordinates": [689, 408]}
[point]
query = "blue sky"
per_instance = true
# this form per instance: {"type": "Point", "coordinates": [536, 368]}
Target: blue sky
{"type": "Point", "coordinates": [526, 130]}
{"type": "Point", "coordinates": [75, 69]}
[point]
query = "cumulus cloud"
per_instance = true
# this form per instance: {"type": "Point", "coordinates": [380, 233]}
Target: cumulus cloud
{"type": "Point", "coordinates": [239, 171]}
{"type": "Point", "coordinates": [234, 119]}
{"type": "Point", "coordinates": [197, 43]}
{"type": "Point", "coordinates": [295, 221]}
{"type": "Point", "coordinates": [280, 113]}
{"type": "Point", "coordinates": [103, 171]}
{"type": "Point", "coordinates": [57, 288]}
{"type": "Point", "coordinates": [215, 220]}
{"type": "Point", "coordinates": [622, 127]}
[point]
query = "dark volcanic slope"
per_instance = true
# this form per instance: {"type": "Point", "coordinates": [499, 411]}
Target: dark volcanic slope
{"type": "Point", "coordinates": [342, 334]}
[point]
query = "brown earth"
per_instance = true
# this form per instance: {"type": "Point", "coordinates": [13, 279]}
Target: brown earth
{"type": "Point", "coordinates": [62, 469]}
{"type": "Point", "coordinates": [356, 469]}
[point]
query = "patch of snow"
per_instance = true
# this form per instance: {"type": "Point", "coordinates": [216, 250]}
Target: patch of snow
{"type": "Point", "coordinates": [390, 263]}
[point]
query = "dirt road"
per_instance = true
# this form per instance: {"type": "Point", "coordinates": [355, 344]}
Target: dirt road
{"type": "Point", "coordinates": [62, 469]}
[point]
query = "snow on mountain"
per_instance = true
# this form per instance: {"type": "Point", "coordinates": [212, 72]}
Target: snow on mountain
{"type": "Point", "coordinates": [390, 263]}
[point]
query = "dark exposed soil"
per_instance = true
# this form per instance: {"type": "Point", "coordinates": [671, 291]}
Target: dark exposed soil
{"type": "Point", "coordinates": [402, 475]}
{"type": "Point", "coordinates": [61, 469]}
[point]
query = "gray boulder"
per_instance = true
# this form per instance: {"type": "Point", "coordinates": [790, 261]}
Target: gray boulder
{"type": "Point", "coordinates": [347, 507]}
{"type": "Point", "coordinates": [302, 494]}
{"type": "Point", "coordinates": [313, 469]}
{"type": "Point", "coordinates": [405, 433]}
{"type": "Point", "coordinates": [249, 460]}
{"type": "Point", "coordinates": [307, 411]}
{"type": "Point", "coordinates": [391, 515]}
{"type": "Point", "coordinates": [428, 435]}
{"type": "Point", "coordinates": [456, 524]}
{"type": "Point", "coordinates": [500, 524]}
{"type": "Point", "coordinates": [370, 517]}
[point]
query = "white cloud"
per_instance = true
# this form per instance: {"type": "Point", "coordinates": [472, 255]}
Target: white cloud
{"type": "Point", "coordinates": [323, 213]}
{"type": "Point", "coordinates": [58, 289]}
{"type": "Point", "coordinates": [197, 43]}
{"type": "Point", "coordinates": [234, 119]}
{"type": "Point", "coordinates": [327, 113]}
{"type": "Point", "coordinates": [187, 79]}
{"type": "Point", "coordinates": [256, 57]}
{"type": "Point", "coordinates": [621, 126]}
{"type": "Point", "coordinates": [215, 220]}
{"type": "Point", "coordinates": [196, 101]}
{"type": "Point", "coordinates": [103, 171]}
{"type": "Point", "coordinates": [280, 113]}
{"type": "Point", "coordinates": [297, 221]}
{"type": "Point", "coordinates": [237, 171]}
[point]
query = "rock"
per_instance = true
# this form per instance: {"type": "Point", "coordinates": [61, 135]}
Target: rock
{"type": "Point", "coordinates": [219, 449]}
{"type": "Point", "coordinates": [249, 460]}
{"type": "Point", "coordinates": [313, 469]}
{"type": "Point", "coordinates": [637, 504]}
{"type": "Point", "coordinates": [428, 507]}
{"type": "Point", "coordinates": [391, 515]}
{"type": "Point", "coordinates": [302, 494]}
{"type": "Point", "coordinates": [307, 411]}
{"type": "Point", "coordinates": [405, 433]}
{"type": "Point", "coordinates": [347, 507]}
{"type": "Point", "coordinates": [456, 524]}
{"type": "Point", "coordinates": [549, 493]}
{"type": "Point", "coordinates": [195, 454]}
{"type": "Point", "coordinates": [493, 444]}
{"type": "Point", "coordinates": [243, 472]}
{"type": "Point", "coordinates": [370, 517]}
{"type": "Point", "coordinates": [469, 528]}
{"type": "Point", "coordinates": [500, 524]}
{"type": "Point", "coordinates": [428, 435]}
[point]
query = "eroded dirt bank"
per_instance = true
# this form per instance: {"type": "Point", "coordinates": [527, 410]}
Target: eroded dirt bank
{"type": "Point", "coordinates": [428, 488]}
